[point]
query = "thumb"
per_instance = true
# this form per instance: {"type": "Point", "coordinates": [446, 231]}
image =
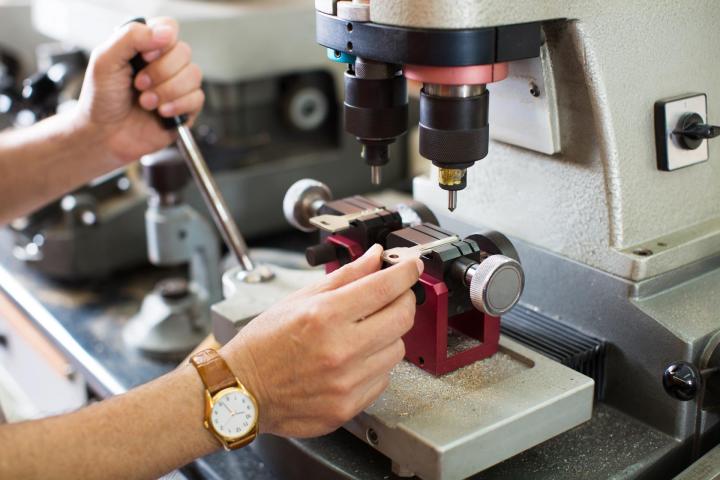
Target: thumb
{"type": "Point", "coordinates": [369, 263]}
{"type": "Point", "coordinates": [160, 35]}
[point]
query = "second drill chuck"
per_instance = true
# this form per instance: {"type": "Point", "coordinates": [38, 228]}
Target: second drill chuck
{"type": "Point", "coordinates": [454, 132]}
{"type": "Point", "coordinates": [376, 109]}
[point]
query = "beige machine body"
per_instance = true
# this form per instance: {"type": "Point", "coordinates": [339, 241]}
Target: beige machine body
{"type": "Point", "coordinates": [618, 241]}
{"type": "Point", "coordinates": [600, 196]}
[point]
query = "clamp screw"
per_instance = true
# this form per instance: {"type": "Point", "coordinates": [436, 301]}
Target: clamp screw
{"type": "Point", "coordinates": [682, 380]}
{"type": "Point", "coordinates": [302, 202]}
{"type": "Point", "coordinates": [495, 284]}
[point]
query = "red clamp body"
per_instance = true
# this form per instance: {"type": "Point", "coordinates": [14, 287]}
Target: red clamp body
{"type": "Point", "coordinates": [427, 343]}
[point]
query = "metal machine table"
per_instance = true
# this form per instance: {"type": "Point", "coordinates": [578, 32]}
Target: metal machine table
{"type": "Point", "coordinates": [85, 322]}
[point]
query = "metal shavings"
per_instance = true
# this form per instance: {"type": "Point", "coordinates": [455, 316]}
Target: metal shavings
{"type": "Point", "coordinates": [413, 390]}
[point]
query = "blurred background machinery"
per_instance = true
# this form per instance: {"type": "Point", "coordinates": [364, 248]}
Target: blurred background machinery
{"type": "Point", "coordinates": [272, 115]}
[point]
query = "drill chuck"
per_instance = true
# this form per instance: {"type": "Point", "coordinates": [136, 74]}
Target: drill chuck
{"type": "Point", "coordinates": [454, 132]}
{"type": "Point", "coordinates": [375, 109]}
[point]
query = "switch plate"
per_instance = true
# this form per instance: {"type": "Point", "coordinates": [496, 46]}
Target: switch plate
{"type": "Point", "coordinates": [670, 155]}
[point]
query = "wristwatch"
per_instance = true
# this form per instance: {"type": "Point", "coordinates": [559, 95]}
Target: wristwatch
{"type": "Point", "coordinates": [231, 411]}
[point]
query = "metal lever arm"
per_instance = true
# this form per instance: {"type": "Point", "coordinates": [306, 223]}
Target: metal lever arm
{"type": "Point", "coordinates": [205, 182]}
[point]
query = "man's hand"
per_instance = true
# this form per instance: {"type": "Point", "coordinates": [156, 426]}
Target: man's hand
{"type": "Point", "coordinates": [169, 85]}
{"type": "Point", "coordinates": [321, 356]}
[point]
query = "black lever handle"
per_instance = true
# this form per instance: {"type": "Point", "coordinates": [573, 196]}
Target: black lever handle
{"type": "Point", "coordinates": [138, 63]}
{"type": "Point", "coordinates": [691, 131]}
{"type": "Point", "coordinates": [699, 131]}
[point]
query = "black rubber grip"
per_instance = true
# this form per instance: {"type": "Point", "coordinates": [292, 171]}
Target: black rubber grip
{"type": "Point", "coordinates": [321, 254]}
{"type": "Point", "coordinates": [138, 63]}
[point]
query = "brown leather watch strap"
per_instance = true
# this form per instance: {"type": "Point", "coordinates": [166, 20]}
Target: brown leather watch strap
{"type": "Point", "coordinates": [214, 372]}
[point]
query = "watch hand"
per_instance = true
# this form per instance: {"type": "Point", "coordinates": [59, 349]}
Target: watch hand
{"type": "Point", "coordinates": [232, 412]}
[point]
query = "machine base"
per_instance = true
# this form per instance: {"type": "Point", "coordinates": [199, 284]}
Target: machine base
{"type": "Point", "coordinates": [610, 445]}
{"type": "Point", "coordinates": [449, 427]}
{"type": "Point", "coordinates": [457, 425]}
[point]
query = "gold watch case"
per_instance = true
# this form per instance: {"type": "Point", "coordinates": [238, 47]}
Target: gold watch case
{"type": "Point", "coordinates": [230, 443]}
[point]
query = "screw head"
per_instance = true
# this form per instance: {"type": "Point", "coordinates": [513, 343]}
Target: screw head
{"type": "Point", "coordinates": [682, 380]}
{"type": "Point", "coordinates": [301, 199]}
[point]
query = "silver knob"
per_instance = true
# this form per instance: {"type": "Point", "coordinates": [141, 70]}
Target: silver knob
{"type": "Point", "coordinates": [302, 202]}
{"type": "Point", "coordinates": [495, 284]}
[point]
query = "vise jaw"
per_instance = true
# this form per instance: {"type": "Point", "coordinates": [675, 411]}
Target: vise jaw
{"type": "Point", "coordinates": [467, 284]}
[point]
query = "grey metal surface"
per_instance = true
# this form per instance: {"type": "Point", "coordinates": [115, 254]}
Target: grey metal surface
{"type": "Point", "coordinates": [454, 426]}
{"type": "Point", "coordinates": [707, 468]}
{"type": "Point", "coordinates": [440, 428]}
{"type": "Point", "coordinates": [169, 328]}
{"type": "Point", "coordinates": [643, 334]}
{"type": "Point", "coordinates": [57, 242]}
{"type": "Point", "coordinates": [609, 446]}
{"type": "Point", "coordinates": [524, 106]}
{"type": "Point", "coordinates": [85, 321]}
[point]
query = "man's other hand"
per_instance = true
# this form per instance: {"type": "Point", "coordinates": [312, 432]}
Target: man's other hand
{"type": "Point", "coordinates": [324, 354]}
{"type": "Point", "coordinates": [124, 122]}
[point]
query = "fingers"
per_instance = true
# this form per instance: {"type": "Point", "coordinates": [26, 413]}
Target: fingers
{"type": "Point", "coordinates": [164, 24]}
{"type": "Point", "coordinates": [373, 391]}
{"type": "Point", "coordinates": [384, 360]}
{"type": "Point", "coordinates": [369, 263]}
{"type": "Point", "coordinates": [170, 82]}
{"type": "Point", "coordinates": [163, 68]}
{"type": "Point", "coordinates": [135, 38]}
{"type": "Point", "coordinates": [182, 84]}
{"type": "Point", "coordinates": [190, 104]}
{"type": "Point", "coordinates": [385, 327]}
{"type": "Point", "coordinates": [373, 292]}
{"type": "Point", "coordinates": [360, 386]}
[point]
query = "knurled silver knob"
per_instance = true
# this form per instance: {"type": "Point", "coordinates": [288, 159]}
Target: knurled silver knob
{"type": "Point", "coordinates": [302, 202]}
{"type": "Point", "coordinates": [495, 284]}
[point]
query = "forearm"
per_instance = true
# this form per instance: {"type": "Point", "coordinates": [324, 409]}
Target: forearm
{"type": "Point", "coordinates": [142, 434]}
{"type": "Point", "coordinates": [40, 163]}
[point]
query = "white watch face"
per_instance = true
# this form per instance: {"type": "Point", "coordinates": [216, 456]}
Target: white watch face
{"type": "Point", "coordinates": [233, 415]}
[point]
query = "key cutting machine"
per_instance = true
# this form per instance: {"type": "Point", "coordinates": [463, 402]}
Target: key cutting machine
{"type": "Point", "coordinates": [451, 400]}
{"type": "Point", "coordinates": [467, 284]}
{"type": "Point", "coordinates": [600, 166]}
